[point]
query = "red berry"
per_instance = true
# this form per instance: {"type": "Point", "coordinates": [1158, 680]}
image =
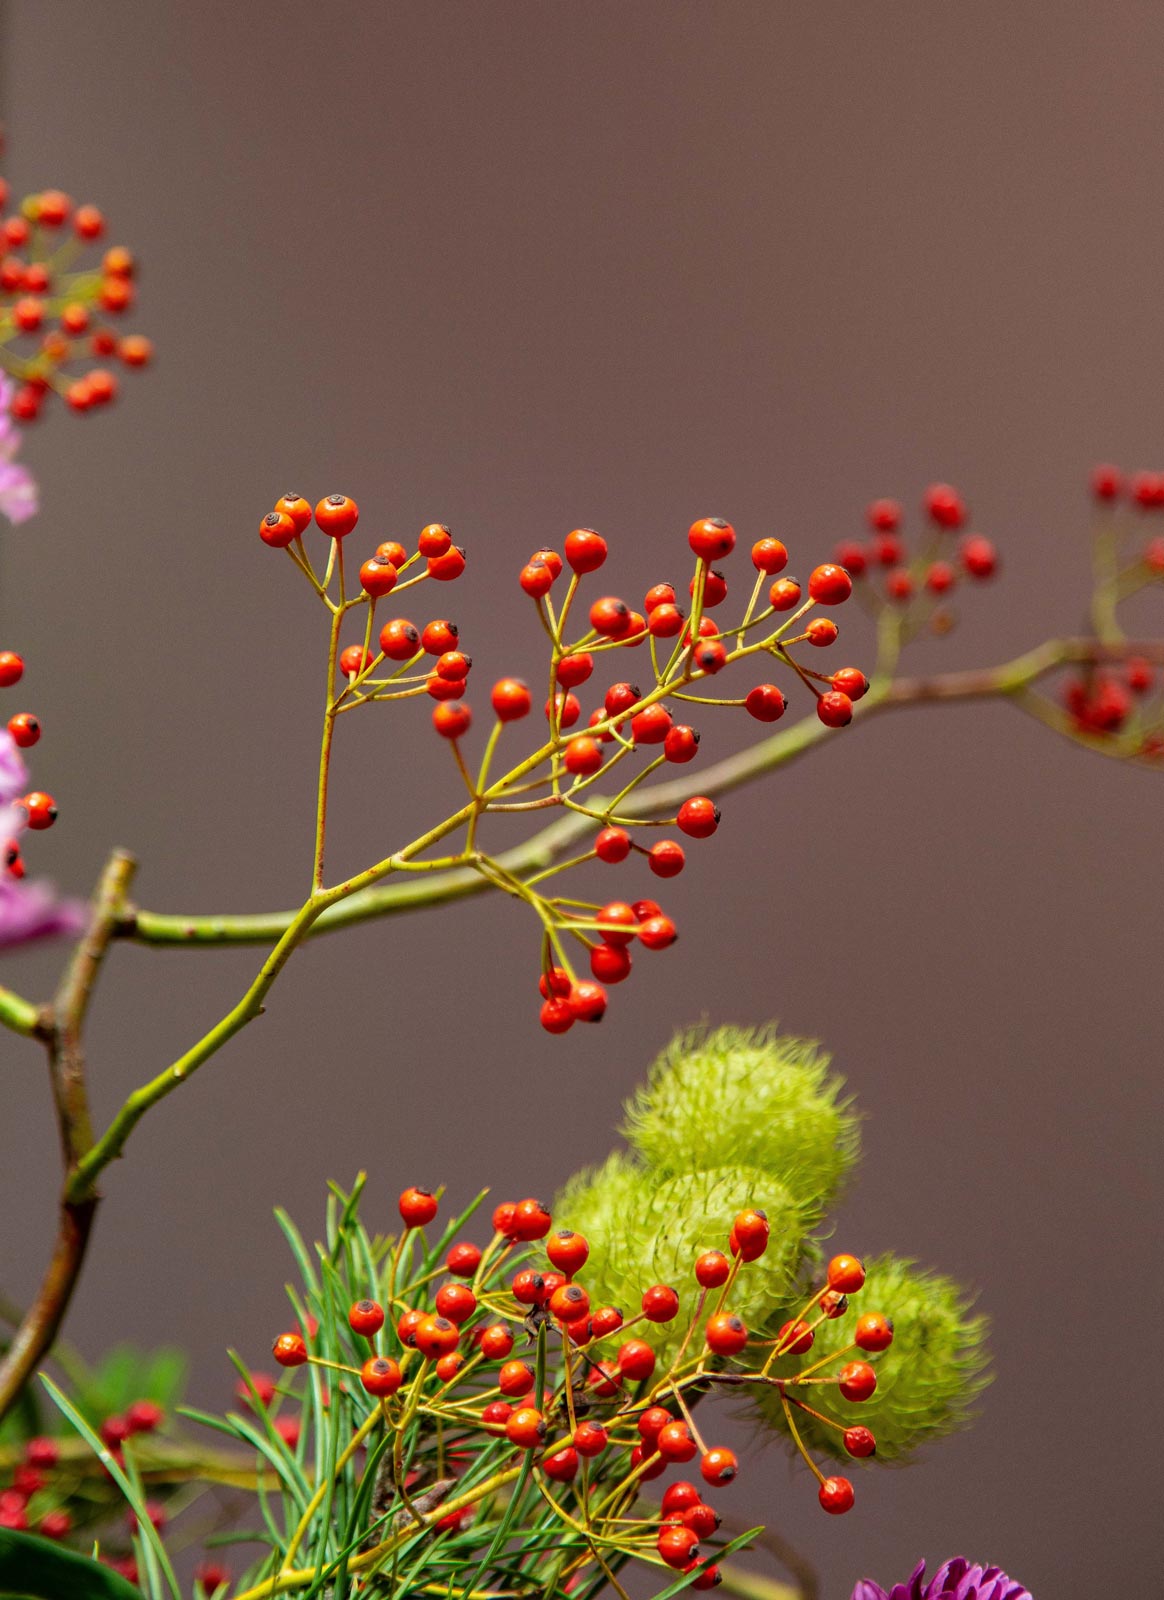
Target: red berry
{"type": "Point", "coordinates": [850, 555]}
{"type": "Point", "coordinates": [551, 559]}
{"type": "Point", "coordinates": [852, 682]}
{"type": "Point", "coordinates": [496, 1415]}
{"type": "Point", "coordinates": [440, 635]}
{"type": "Point", "coordinates": [562, 1465]}
{"type": "Point", "coordinates": [726, 1334]}
{"type": "Point", "coordinates": [526, 1428]}
{"type": "Point", "coordinates": [944, 506]}
{"type": "Point", "coordinates": [606, 1320]}
{"type": "Point", "coordinates": [42, 1452]}
{"type": "Point", "coordinates": [611, 617]}
{"type": "Point", "coordinates": [860, 1442]}
{"type": "Point", "coordinates": [765, 702]}
{"type": "Point", "coordinates": [463, 1260]}
{"type": "Point", "coordinates": [701, 1519]}
{"type": "Point", "coordinates": [714, 589]}
{"type": "Point", "coordinates": [399, 640]}
{"type": "Point", "coordinates": [531, 1220]}
{"type": "Point", "coordinates": [354, 660]}
{"type": "Point", "coordinates": [674, 1442]}
{"type": "Point", "coordinates": [979, 557]}
{"type": "Point", "coordinates": [590, 1438]}
{"type": "Point", "coordinates": [677, 1546]}
{"type": "Point", "coordinates": [495, 1342]}
{"type": "Point", "coordinates": [392, 551]}
{"type": "Point", "coordinates": [277, 530]}
{"type": "Point", "coordinates": [138, 351]}
{"type": "Point", "coordinates": [718, 1466]}
{"type": "Point", "coordinates": [1106, 482]}
{"type": "Point", "coordinates": [582, 756]}
{"type": "Point", "coordinates": [536, 579]}
{"type": "Point", "coordinates": [451, 719]}
{"type": "Point", "coordinates": [681, 743]}
{"type": "Point", "coordinates": [55, 1524]}
{"type": "Point", "coordinates": [795, 1338]}
{"type": "Point", "coordinates": [857, 1380]}
{"type": "Point", "coordinates": [456, 1301]}
{"type": "Point", "coordinates": [11, 668]}
{"type": "Point", "coordinates": [619, 923]}
{"type": "Point", "coordinates": [587, 1001]}
{"type": "Point", "coordinates": [515, 1379]}
{"type": "Point", "coordinates": [874, 1331]}
{"type": "Point", "coordinates": [665, 621]}
{"type": "Point", "coordinates": [709, 1577]}
{"type": "Point", "coordinates": [511, 699]}
{"type": "Point", "coordinates": [845, 1274]}
{"type": "Point", "coordinates": [417, 1206]}
{"type": "Point", "coordinates": [836, 1495]}
{"type": "Point", "coordinates": [290, 1350]}
{"type": "Point", "coordinates": [651, 725]}
{"type": "Point", "coordinates": [829, 584]}
{"type": "Point", "coordinates": [377, 576]}
{"type": "Point", "coordinates": [698, 817]}
{"type": "Point", "coordinates": [435, 1336]}
{"type": "Point", "coordinates": [652, 1422]}
{"type": "Point", "coordinates": [434, 540]}
{"type": "Point", "coordinates": [448, 1366]}
{"type": "Point", "coordinates": [821, 632]}
{"type": "Point", "coordinates": [612, 845]}
{"type": "Point", "coordinates": [888, 550]}
{"type": "Point", "coordinates": [25, 729]}
{"type": "Point", "coordinates": [770, 556]}
{"type": "Point", "coordinates": [636, 1360]}
{"type": "Point", "coordinates": [655, 1465]}
{"type": "Point", "coordinates": [661, 594]}
{"type": "Point", "coordinates": [573, 670]}
{"type": "Point", "coordinates": [656, 933]}
{"type": "Point", "coordinates": [380, 1375]}
{"type": "Point", "coordinates": [710, 656]}
{"type": "Point", "coordinates": [528, 1286]}
{"type": "Point", "coordinates": [555, 1016]}
{"type": "Point", "coordinates": [605, 1379]}
{"type": "Point", "coordinates": [620, 697]}
{"type": "Point", "coordinates": [940, 577]}
{"type": "Point", "coordinates": [899, 585]}
{"type": "Point", "coordinates": [585, 550]}
{"type": "Point", "coordinates": [884, 515]}
{"type": "Point", "coordinates": [447, 567]}
{"type": "Point", "coordinates": [567, 1250]}
{"type": "Point", "coordinates": [712, 1268]}
{"type": "Point", "coordinates": [570, 1303]}
{"type": "Point", "coordinates": [835, 709]}
{"type": "Point", "coordinates": [660, 1303]}
{"type": "Point", "coordinates": [567, 708]}
{"type": "Point", "coordinates": [679, 1497]}
{"type": "Point", "coordinates": [711, 538]}
{"type": "Point", "coordinates": [337, 515]}
{"type": "Point", "coordinates": [366, 1317]}
{"type": "Point", "coordinates": [750, 1231]}
{"type": "Point", "coordinates": [784, 595]}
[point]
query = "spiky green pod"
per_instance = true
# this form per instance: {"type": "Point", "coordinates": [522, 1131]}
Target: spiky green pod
{"type": "Point", "coordinates": [928, 1379]}
{"type": "Point", "coordinates": [747, 1097]}
{"type": "Point", "coordinates": [644, 1229]}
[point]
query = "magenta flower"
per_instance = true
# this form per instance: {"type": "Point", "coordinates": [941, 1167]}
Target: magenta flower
{"type": "Point", "coordinates": [957, 1580]}
{"type": "Point", "coordinates": [18, 497]}
{"type": "Point", "coordinates": [28, 911]}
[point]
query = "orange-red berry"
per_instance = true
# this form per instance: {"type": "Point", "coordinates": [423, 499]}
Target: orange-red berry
{"type": "Point", "coordinates": [660, 1303]}
{"type": "Point", "coordinates": [278, 530]}
{"type": "Point", "coordinates": [770, 556]}
{"type": "Point", "coordinates": [765, 702]}
{"type": "Point", "coordinates": [290, 1350]}
{"type": "Point", "coordinates": [698, 817]}
{"type": "Point", "coordinates": [874, 1331]}
{"type": "Point", "coordinates": [829, 584]}
{"type": "Point", "coordinates": [712, 1268]}
{"type": "Point", "coordinates": [857, 1380]}
{"type": "Point", "coordinates": [417, 1206]}
{"type": "Point", "coordinates": [366, 1317]}
{"type": "Point", "coordinates": [718, 1466]}
{"type": "Point", "coordinates": [25, 729]}
{"type": "Point", "coordinates": [377, 576]}
{"type": "Point", "coordinates": [448, 567]}
{"type": "Point", "coordinates": [711, 538]}
{"type": "Point", "coordinates": [636, 1360]}
{"type": "Point", "coordinates": [836, 1495]}
{"type": "Point", "coordinates": [40, 808]}
{"type": "Point", "coordinates": [337, 515]}
{"type": "Point", "coordinates": [526, 1428]}
{"type": "Point", "coordinates": [860, 1442]}
{"type": "Point", "coordinates": [511, 699]}
{"type": "Point", "coordinates": [434, 540]}
{"type": "Point", "coordinates": [784, 595]}
{"type": "Point", "coordinates": [380, 1376]}
{"type": "Point", "coordinates": [456, 1301]}
{"type": "Point", "coordinates": [585, 550]}
{"type": "Point", "coordinates": [399, 640]}
{"type": "Point", "coordinates": [845, 1274]}
{"type": "Point", "coordinates": [451, 719]}
{"type": "Point", "coordinates": [726, 1334]}
{"type": "Point", "coordinates": [835, 709]}
{"type": "Point", "coordinates": [612, 845]}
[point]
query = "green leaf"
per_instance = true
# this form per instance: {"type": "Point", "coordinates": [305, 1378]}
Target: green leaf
{"type": "Point", "coordinates": [35, 1568]}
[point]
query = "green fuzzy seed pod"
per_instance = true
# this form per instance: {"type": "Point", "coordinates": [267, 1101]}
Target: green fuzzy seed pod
{"type": "Point", "coordinates": [752, 1098]}
{"type": "Point", "coordinates": [644, 1229]}
{"type": "Point", "coordinates": [927, 1381]}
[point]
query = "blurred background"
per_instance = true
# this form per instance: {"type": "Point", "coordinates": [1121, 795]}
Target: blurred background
{"type": "Point", "coordinates": [519, 268]}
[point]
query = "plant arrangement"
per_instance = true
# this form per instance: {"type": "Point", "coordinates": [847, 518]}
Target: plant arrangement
{"type": "Point", "coordinates": [486, 1419]}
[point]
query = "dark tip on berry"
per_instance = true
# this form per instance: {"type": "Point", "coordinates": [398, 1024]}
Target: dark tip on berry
{"type": "Point", "coordinates": [272, 518]}
{"type": "Point", "coordinates": [695, 734]}
{"type": "Point", "coordinates": [365, 1305]}
{"type": "Point", "coordinates": [336, 499]}
{"type": "Point", "coordinates": [716, 522]}
{"type": "Point", "coordinates": [291, 495]}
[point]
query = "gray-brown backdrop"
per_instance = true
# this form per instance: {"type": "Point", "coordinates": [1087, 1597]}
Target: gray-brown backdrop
{"type": "Point", "coordinates": [520, 267]}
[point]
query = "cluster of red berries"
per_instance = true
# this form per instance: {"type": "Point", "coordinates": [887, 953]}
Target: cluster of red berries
{"type": "Point", "coordinates": [39, 809]}
{"type": "Point", "coordinates": [628, 721]}
{"type": "Point", "coordinates": [51, 335]}
{"type": "Point", "coordinates": [931, 572]}
{"type": "Point", "coordinates": [445, 1351]}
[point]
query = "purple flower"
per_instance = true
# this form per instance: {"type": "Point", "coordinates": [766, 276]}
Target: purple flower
{"type": "Point", "coordinates": [18, 498]}
{"type": "Point", "coordinates": [957, 1580]}
{"type": "Point", "coordinates": [31, 911]}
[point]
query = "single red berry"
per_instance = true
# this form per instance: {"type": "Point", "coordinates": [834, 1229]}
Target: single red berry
{"type": "Point", "coordinates": [651, 1462]}
{"type": "Point", "coordinates": [636, 1360]}
{"type": "Point", "coordinates": [651, 725]}
{"type": "Point", "coordinates": [531, 1220]}
{"type": "Point", "coordinates": [536, 579]}
{"type": "Point", "coordinates": [656, 933]}
{"type": "Point", "coordinates": [40, 808]}
{"type": "Point", "coordinates": [496, 1415]}
{"type": "Point", "coordinates": [435, 1336]}
{"type": "Point", "coordinates": [874, 1331]}
{"type": "Point", "coordinates": [582, 756]}
{"type": "Point", "coordinates": [765, 702]}
{"type": "Point", "coordinates": [451, 719]}
{"type": "Point", "coordinates": [605, 1379]}
{"type": "Point", "coordinates": [712, 1268]}
{"type": "Point", "coordinates": [857, 1380]}
{"type": "Point", "coordinates": [851, 681]}
{"type": "Point", "coordinates": [674, 1442]}
{"type": "Point", "coordinates": [353, 660]}
{"type": "Point", "coordinates": [567, 1250]}
{"type": "Point", "coordinates": [660, 594]}
{"type": "Point", "coordinates": [366, 1317]}
{"type": "Point", "coordinates": [456, 1301]}
{"type": "Point", "coordinates": [496, 1341]}
{"type": "Point", "coordinates": [575, 669]}
{"type": "Point", "coordinates": [979, 557]}
{"type": "Point", "coordinates": [718, 1466]}
{"type": "Point", "coordinates": [25, 729]}
{"type": "Point", "coordinates": [652, 1422]}
{"type": "Point", "coordinates": [435, 540]}
{"type": "Point", "coordinates": [888, 550]}
{"type": "Point", "coordinates": [829, 584]}
{"type": "Point", "coordinates": [380, 1375]}
{"type": "Point", "coordinates": [660, 1303]}
{"type": "Point", "coordinates": [144, 1416]}
{"type": "Point", "coordinates": [585, 550]}
{"type": "Point", "coordinates": [278, 530]}
{"type": "Point", "coordinates": [850, 555]}
{"type": "Point", "coordinates": [899, 585]}
{"type": "Point", "coordinates": [590, 1438]}
{"type": "Point", "coordinates": [612, 845]}
{"type": "Point", "coordinates": [784, 595]}
{"type": "Point", "coordinates": [710, 656]}
{"type": "Point", "coordinates": [701, 1519]}
{"type": "Point", "coordinates": [835, 709]}
{"type": "Point", "coordinates": [610, 963]}
{"type": "Point", "coordinates": [665, 621]}
{"type": "Point", "coordinates": [554, 984]}
{"type": "Point", "coordinates": [587, 1001]}
{"type": "Point", "coordinates": [860, 1442]}
{"type": "Point", "coordinates": [679, 1497]}
{"type": "Point", "coordinates": [555, 1016]}
{"type": "Point", "coordinates": [439, 636]}
{"type": "Point", "coordinates": [526, 1428]}
{"type": "Point", "coordinates": [619, 923]}
{"type": "Point", "coordinates": [42, 1451]}
{"type": "Point", "coordinates": [448, 1366]}
{"type": "Point", "coordinates": [845, 1274]}
{"type": "Point", "coordinates": [28, 313]}
{"type": "Point", "coordinates": [620, 697]}
{"type": "Point", "coordinates": [528, 1286]}
{"type": "Point", "coordinates": [515, 1379]}
{"type": "Point", "coordinates": [834, 1304]}
{"type": "Point", "coordinates": [551, 559]}
{"type": "Point", "coordinates": [836, 1495]}
{"type": "Point", "coordinates": [463, 1260]}
{"type": "Point", "coordinates": [570, 1303]}
{"type": "Point", "coordinates": [444, 688]}
{"type": "Point", "coordinates": [417, 1206]}
{"type": "Point", "coordinates": [884, 515]}
{"type": "Point", "coordinates": [290, 1350]}
{"type": "Point", "coordinates": [611, 617]}
{"type": "Point", "coordinates": [944, 506]}
{"type": "Point", "coordinates": [448, 567]}
{"type": "Point", "coordinates": [681, 743]}
{"type": "Point", "coordinates": [714, 589]}
{"type": "Point", "coordinates": [56, 1525]}
{"type": "Point", "coordinates": [606, 1320]}
{"type": "Point", "coordinates": [726, 1334]}
{"type": "Point", "coordinates": [377, 576]}
{"type": "Point", "coordinates": [770, 556]}
{"type": "Point", "coordinates": [1106, 482]}
{"type": "Point", "coordinates": [711, 538]}
{"type": "Point", "coordinates": [138, 351]}
{"type": "Point", "coordinates": [562, 1465]}
{"type": "Point", "coordinates": [511, 699]}
{"type": "Point", "coordinates": [399, 640]}
{"type": "Point", "coordinates": [698, 817]}
{"type": "Point", "coordinates": [677, 1546]}
{"type": "Point", "coordinates": [710, 1576]}
{"type": "Point", "coordinates": [454, 666]}
{"type": "Point", "coordinates": [11, 668]}
{"type": "Point", "coordinates": [821, 632]}
{"type": "Point", "coordinates": [795, 1338]}
{"type": "Point", "coordinates": [337, 515]}
{"type": "Point", "coordinates": [940, 577]}
{"type": "Point", "coordinates": [567, 707]}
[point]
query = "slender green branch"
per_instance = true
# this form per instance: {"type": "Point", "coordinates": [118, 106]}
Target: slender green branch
{"type": "Point", "coordinates": [19, 1014]}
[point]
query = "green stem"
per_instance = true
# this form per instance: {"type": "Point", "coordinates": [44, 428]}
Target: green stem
{"type": "Point", "coordinates": [19, 1014]}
